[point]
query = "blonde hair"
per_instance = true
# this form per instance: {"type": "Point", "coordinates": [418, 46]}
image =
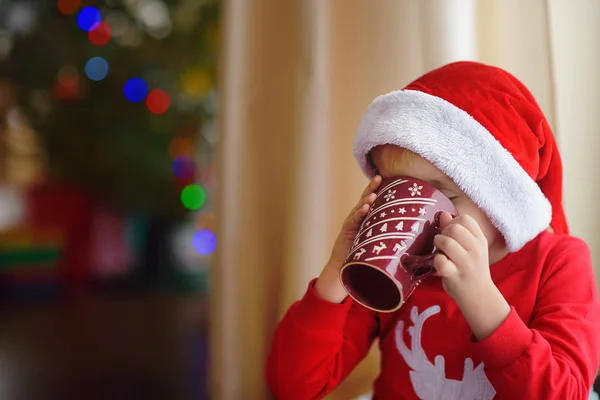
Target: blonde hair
{"type": "Point", "coordinates": [392, 157]}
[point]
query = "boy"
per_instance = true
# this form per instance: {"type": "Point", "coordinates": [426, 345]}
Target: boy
{"type": "Point", "coordinates": [514, 312]}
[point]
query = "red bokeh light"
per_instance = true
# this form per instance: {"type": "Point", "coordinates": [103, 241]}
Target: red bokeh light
{"type": "Point", "coordinates": [158, 101]}
{"type": "Point", "coordinates": [68, 89]}
{"type": "Point", "coordinates": [68, 84]}
{"type": "Point", "coordinates": [187, 129]}
{"type": "Point", "coordinates": [100, 35]}
{"type": "Point", "coordinates": [181, 146]}
{"type": "Point", "coordinates": [68, 7]}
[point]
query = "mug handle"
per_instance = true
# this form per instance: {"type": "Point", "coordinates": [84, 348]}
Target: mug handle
{"type": "Point", "coordinates": [419, 266]}
{"type": "Point", "coordinates": [422, 266]}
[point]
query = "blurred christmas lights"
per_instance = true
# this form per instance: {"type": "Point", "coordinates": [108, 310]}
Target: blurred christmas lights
{"type": "Point", "coordinates": [204, 242]}
{"type": "Point", "coordinates": [184, 167]}
{"type": "Point", "coordinates": [196, 82]}
{"type": "Point", "coordinates": [68, 7]}
{"type": "Point", "coordinates": [89, 18]}
{"type": "Point", "coordinates": [193, 197]}
{"type": "Point", "coordinates": [96, 68]}
{"type": "Point", "coordinates": [20, 16]}
{"type": "Point", "coordinates": [187, 129]}
{"type": "Point", "coordinates": [118, 22]}
{"type": "Point", "coordinates": [181, 146]}
{"type": "Point", "coordinates": [68, 84]}
{"type": "Point", "coordinates": [155, 16]}
{"type": "Point", "coordinates": [158, 101]}
{"type": "Point", "coordinates": [136, 90]}
{"type": "Point", "coordinates": [100, 35]}
{"type": "Point", "coordinates": [206, 221]}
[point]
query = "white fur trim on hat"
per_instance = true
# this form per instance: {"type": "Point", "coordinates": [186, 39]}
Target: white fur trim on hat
{"type": "Point", "coordinates": [464, 150]}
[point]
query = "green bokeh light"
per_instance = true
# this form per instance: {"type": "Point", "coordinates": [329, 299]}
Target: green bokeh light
{"type": "Point", "coordinates": [193, 197]}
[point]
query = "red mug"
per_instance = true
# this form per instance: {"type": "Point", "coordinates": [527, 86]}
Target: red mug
{"type": "Point", "coordinates": [393, 250]}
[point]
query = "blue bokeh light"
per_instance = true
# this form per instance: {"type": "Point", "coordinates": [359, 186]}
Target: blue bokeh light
{"type": "Point", "coordinates": [183, 167]}
{"type": "Point", "coordinates": [96, 68]}
{"type": "Point", "coordinates": [89, 18]}
{"type": "Point", "coordinates": [204, 242]}
{"type": "Point", "coordinates": [136, 90]}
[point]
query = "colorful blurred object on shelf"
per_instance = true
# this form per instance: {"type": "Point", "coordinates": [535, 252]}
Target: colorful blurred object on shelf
{"type": "Point", "coordinates": [30, 264]}
{"type": "Point", "coordinates": [65, 241]}
{"type": "Point", "coordinates": [69, 210]}
{"type": "Point", "coordinates": [111, 255]}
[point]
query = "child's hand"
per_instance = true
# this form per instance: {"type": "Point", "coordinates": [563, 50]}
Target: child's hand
{"type": "Point", "coordinates": [346, 237]}
{"type": "Point", "coordinates": [328, 286]}
{"type": "Point", "coordinates": [464, 264]}
{"type": "Point", "coordinates": [465, 271]}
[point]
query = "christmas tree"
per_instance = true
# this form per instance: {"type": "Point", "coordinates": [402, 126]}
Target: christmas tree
{"type": "Point", "coordinates": [121, 96]}
{"type": "Point", "coordinates": [116, 90]}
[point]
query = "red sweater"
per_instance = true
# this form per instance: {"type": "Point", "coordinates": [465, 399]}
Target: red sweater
{"type": "Point", "coordinates": [547, 348]}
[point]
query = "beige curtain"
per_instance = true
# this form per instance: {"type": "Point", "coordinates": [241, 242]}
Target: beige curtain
{"type": "Point", "coordinates": [574, 32]}
{"type": "Point", "coordinates": [296, 77]}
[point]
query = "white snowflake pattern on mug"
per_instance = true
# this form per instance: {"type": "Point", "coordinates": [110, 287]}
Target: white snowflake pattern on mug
{"type": "Point", "coordinates": [415, 190]}
{"type": "Point", "coordinates": [390, 195]}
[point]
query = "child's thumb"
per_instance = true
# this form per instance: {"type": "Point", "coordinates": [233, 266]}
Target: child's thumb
{"type": "Point", "coordinates": [444, 219]}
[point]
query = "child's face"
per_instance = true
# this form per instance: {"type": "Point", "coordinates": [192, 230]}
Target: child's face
{"type": "Point", "coordinates": [391, 160]}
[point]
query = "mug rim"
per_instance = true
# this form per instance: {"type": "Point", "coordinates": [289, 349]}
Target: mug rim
{"type": "Point", "coordinates": [396, 283]}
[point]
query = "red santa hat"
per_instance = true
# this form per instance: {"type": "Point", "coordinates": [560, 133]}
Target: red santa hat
{"type": "Point", "coordinates": [480, 126]}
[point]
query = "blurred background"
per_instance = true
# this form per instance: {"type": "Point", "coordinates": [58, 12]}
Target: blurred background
{"type": "Point", "coordinates": [174, 172]}
{"type": "Point", "coordinates": [107, 129]}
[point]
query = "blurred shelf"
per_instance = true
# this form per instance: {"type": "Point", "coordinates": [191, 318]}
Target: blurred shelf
{"type": "Point", "coordinates": [126, 345]}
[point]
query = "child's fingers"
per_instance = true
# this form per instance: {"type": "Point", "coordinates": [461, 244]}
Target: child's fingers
{"type": "Point", "coordinates": [368, 200]}
{"type": "Point", "coordinates": [462, 235]}
{"type": "Point", "coordinates": [444, 219]}
{"type": "Point", "coordinates": [355, 218]}
{"type": "Point", "coordinates": [359, 214]}
{"type": "Point", "coordinates": [469, 222]}
{"type": "Point", "coordinates": [444, 267]}
{"type": "Point", "coordinates": [372, 186]}
{"type": "Point", "coordinates": [451, 249]}
{"type": "Point", "coordinates": [368, 196]}
{"type": "Point", "coordinates": [361, 209]}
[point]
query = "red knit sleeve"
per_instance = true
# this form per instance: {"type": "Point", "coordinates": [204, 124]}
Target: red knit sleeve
{"type": "Point", "coordinates": [316, 345]}
{"type": "Point", "coordinates": [556, 355]}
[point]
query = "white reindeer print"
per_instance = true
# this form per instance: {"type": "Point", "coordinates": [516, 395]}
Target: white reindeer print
{"type": "Point", "coordinates": [429, 380]}
{"type": "Point", "coordinates": [398, 247]}
{"type": "Point", "coordinates": [359, 253]}
{"type": "Point", "coordinates": [377, 249]}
